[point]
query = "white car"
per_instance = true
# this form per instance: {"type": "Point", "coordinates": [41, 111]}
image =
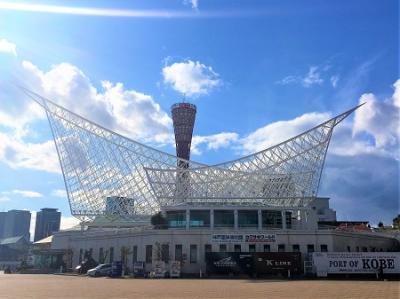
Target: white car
{"type": "Point", "coordinates": [100, 270]}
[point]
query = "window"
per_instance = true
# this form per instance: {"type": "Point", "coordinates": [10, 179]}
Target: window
{"type": "Point", "coordinates": [281, 248]}
{"type": "Point", "coordinates": [357, 249]}
{"type": "Point", "coordinates": [365, 249]}
{"type": "Point", "coordinates": [348, 249]}
{"type": "Point", "coordinates": [178, 252]}
{"type": "Point", "coordinates": [248, 218]}
{"type": "Point", "coordinates": [134, 254]}
{"type": "Point", "coordinates": [238, 248]}
{"type": "Point", "coordinates": [111, 254]}
{"type": "Point", "coordinates": [310, 248]}
{"type": "Point", "coordinates": [207, 248]}
{"type": "Point", "coordinates": [224, 218]}
{"type": "Point", "coordinates": [193, 254]}
{"type": "Point", "coordinates": [101, 255]}
{"type": "Point", "coordinates": [80, 255]}
{"type": "Point", "coordinates": [267, 248]}
{"type": "Point", "coordinates": [222, 248]}
{"type": "Point", "coordinates": [252, 248]}
{"type": "Point", "coordinates": [324, 248]}
{"type": "Point", "coordinates": [165, 253]}
{"type": "Point", "coordinates": [176, 218]}
{"type": "Point", "coordinates": [149, 254]}
{"type": "Point", "coordinates": [296, 248]}
{"type": "Point", "coordinates": [271, 219]}
{"type": "Point", "coordinates": [288, 219]}
{"type": "Point", "coordinates": [90, 253]}
{"type": "Point", "coordinates": [199, 218]}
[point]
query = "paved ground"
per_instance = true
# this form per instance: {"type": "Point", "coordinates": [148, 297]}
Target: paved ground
{"type": "Point", "coordinates": [57, 286]}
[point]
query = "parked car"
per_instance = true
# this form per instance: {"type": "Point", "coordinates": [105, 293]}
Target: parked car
{"type": "Point", "coordinates": [85, 266]}
{"type": "Point", "coordinates": [100, 270]}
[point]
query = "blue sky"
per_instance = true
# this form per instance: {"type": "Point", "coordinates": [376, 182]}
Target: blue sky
{"type": "Point", "coordinates": [259, 72]}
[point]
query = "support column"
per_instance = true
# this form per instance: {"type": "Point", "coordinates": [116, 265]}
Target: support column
{"type": "Point", "coordinates": [187, 219]}
{"type": "Point", "coordinates": [236, 219]}
{"type": "Point", "coordinates": [259, 219]}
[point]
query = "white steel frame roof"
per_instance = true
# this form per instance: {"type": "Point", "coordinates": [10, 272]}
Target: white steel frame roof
{"type": "Point", "coordinates": [98, 163]}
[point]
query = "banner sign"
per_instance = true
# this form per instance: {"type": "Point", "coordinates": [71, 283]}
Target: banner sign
{"type": "Point", "coordinates": [356, 262]}
{"type": "Point", "coordinates": [275, 262]}
{"type": "Point", "coordinates": [246, 238]}
{"type": "Point", "coordinates": [251, 263]}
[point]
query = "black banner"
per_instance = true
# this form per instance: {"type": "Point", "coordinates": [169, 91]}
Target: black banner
{"type": "Point", "coordinates": [277, 262]}
{"type": "Point", "coordinates": [253, 263]}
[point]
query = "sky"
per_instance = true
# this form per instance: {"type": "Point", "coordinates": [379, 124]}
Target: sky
{"type": "Point", "coordinates": [259, 72]}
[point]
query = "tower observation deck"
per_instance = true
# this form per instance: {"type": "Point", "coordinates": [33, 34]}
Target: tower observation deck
{"type": "Point", "coordinates": [183, 116]}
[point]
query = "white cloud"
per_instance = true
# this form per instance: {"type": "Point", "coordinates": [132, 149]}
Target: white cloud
{"type": "Point", "coordinates": [313, 77]}
{"type": "Point", "coordinates": [277, 132]}
{"type": "Point", "coordinates": [8, 47]}
{"type": "Point", "coordinates": [128, 112]}
{"type": "Point", "coordinates": [18, 154]}
{"type": "Point", "coordinates": [68, 222]}
{"type": "Point", "coordinates": [334, 80]}
{"type": "Point", "coordinates": [27, 193]}
{"type": "Point", "coordinates": [213, 142]}
{"type": "Point", "coordinates": [190, 77]}
{"type": "Point", "coordinates": [193, 3]}
{"type": "Point", "coordinates": [4, 198]}
{"type": "Point", "coordinates": [379, 119]}
{"type": "Point", "coordinates": [59, 193]}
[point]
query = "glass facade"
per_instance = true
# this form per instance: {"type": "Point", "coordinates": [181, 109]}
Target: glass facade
{"type": "Point", "coordinates": [224, 218]}
{"type": "Point", "coordinates": [271, 219]}
{"type": "Point", "coordinates": [176, 218]}
{"type": "Point", "coordinates": [199, 218]}
{"type": "Point", "coordinates": [248, 218]}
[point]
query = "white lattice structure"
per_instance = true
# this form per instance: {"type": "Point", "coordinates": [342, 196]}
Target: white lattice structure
{"type": "Point", "coordinates": [98, 164]}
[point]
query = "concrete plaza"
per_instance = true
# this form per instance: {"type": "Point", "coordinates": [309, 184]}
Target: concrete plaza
{"type": "Point", "coordinates": [61, 286]}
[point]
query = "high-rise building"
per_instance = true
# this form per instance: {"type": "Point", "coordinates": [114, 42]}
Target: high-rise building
{"type": "Point", "coordinates": [183, 117]}
{"type": "Point", "coordinates": [17, 223]}
{"type": "Point", "coordinates": [2, 221]}
{"type": "Point", "coordinates": [47, 222]}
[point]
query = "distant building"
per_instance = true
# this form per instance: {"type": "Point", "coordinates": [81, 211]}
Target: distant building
{"type": "Point", "coordinates": [47, 222]}
{"type": "Point", "coordinates": [2, 221]}
{"type": "Point", "coordinates": [17, 223]}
